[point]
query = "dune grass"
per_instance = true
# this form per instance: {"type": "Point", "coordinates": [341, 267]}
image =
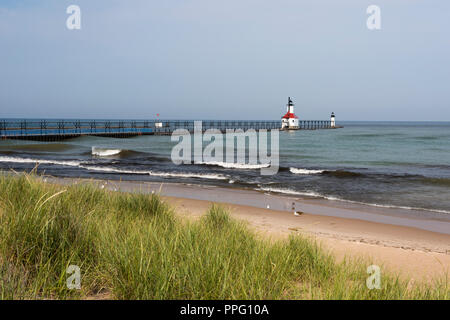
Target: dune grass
{"type": "Point", "coordinates": [134, 246]}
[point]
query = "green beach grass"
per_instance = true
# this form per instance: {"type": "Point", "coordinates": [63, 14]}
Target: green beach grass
{"type": "Point", "coordinates": [134, 246]}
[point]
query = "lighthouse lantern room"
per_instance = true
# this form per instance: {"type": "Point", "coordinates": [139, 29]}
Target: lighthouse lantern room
{"type": "Point", "coordinates": [289, 120]}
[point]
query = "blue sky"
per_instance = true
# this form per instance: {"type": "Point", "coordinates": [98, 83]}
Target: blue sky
{"type": "Point", "coordinates": [233, 59]}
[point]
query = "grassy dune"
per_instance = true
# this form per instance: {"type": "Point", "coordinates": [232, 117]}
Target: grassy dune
{"type": "Point", "coordinates": [133, 246]}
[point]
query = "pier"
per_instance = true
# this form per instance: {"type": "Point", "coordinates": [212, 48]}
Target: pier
{"type": "Point", "coordinates": [52, 130]}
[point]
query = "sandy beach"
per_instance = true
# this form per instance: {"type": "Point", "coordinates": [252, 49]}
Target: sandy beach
{"type": "Point", "coordinates": [412, 252]}
{"type": "Point", "coordinates": [415, 253]}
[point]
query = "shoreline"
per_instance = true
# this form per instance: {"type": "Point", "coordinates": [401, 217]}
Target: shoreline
{"type": "Point", "coordinates": [282, 202]}
{"type": "Point", "coordinates": [412, 252]}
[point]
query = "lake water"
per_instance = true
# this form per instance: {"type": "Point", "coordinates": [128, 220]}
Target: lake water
{"type": "Point", "coordinates": [391, 164]}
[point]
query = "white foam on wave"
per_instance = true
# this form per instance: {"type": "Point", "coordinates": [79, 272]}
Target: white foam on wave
{"type": "Point", "coordinates": [290, 191]}
{"type": "Point", "coordinates": [332, 198]}
{"type": "Point", "coordinates": [305, 171]}
{"type": "Point", "coordinates": [103, 152]}
{"type": "Point", "coordinates": [232, 165]}
{"type": "Point", "coordinates": [387, 206]}
{"type": "Point", "coordinates": [41, 161]}
{"type": "Point", "coordinates": [190, 175]}
{"type": "Point", "coordinates": [114, 170]}
{"type": "Point", "coordinates": [158, 174]}
{"type": "Point", "coordinates": [79, 164]}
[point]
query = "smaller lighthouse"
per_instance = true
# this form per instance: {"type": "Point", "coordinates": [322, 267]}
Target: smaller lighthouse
{"type": "Point", "coordinates": [333, 120]}
{"type": "Point", "coordinates": [289, 120]}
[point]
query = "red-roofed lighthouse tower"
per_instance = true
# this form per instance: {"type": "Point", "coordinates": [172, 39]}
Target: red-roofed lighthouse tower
{"type": "Point", "coordinates": [289, 120]}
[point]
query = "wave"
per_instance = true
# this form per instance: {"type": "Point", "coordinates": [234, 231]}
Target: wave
{"type": "Point", "coordinates": [41, 147]}
{"type": "Point", "coordinates": [426, 138]}
{"type": "Point", "coordinates": [444, 182]}
{"type": "Point", "coordinates": [387, 206]}
{"type": "Point", "coordinates": [305, 171]}
{"type": "Point", "coordinates": [72, 163]}
{"type": "Point", "coordinates": [372, 135]}
{"type": "Point", "coordinates": [332, 198]}
{"type": "Point", "coordinates": [83, 165]}
{"type": "Point", "coordinates": [126, 154]}
{"type": "Point", "coordinates": [342, 173]}
{"type": "Point", "coordinates": [104, 152]}
{"type": "Point", "coordinates": [290, 191]}
{"type": "Point", "coordinates": [232, 165]}
{"type": "Point", "coordinates": [333, 173]}
{"type": "Point", "coordinates": [352, 174]}
{"type": "Point", "coordinates": [158, 174]}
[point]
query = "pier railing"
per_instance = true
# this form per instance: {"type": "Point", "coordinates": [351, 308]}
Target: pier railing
{"type": "Point", "coordinates": [54, 129]}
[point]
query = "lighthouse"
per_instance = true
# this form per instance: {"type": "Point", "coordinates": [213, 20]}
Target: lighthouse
{"type": "Point", "coordinates": [333, 120]}
{"type": "Point", "coordinates": [289, 120]}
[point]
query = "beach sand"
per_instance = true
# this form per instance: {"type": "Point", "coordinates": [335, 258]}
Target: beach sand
{"type": "Point", "coordinates": [412, 252]}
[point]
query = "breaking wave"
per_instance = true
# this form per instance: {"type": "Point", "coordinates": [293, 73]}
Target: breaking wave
{"type": "Point", "coordinates": [333, 173]}
{"type": "Point", "coordinates": [158, 174]}
{"type": "Point", "coordinates": [332, 198]}
{"type": "Point", "coordinates": [387, 206]}
{"type": "Point", "coordinates": [82, 165]}
{"type": "Point", "coordinates": [103, 152]}
{"type": "Point", "coordinates": [304, 171]}
{"type": "Point", "coordinates": [290, 191]}
{"type": "Point", "coordinates": [232, 165]}
{"type": "Point", "coordinates": [72, 163]}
